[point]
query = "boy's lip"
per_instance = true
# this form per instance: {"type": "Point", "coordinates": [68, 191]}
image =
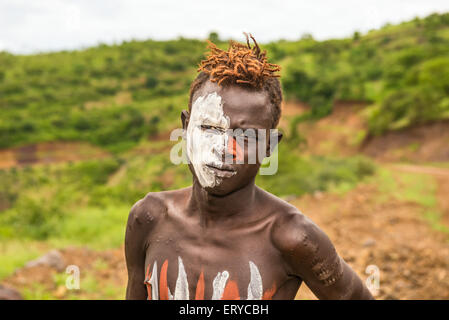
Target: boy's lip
{"type": "Point", "coordinates": [223, 167]}
{"type": "Point", "coordinates": [224, 172]}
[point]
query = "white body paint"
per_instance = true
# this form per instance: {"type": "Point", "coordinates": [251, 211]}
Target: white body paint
{"type": "Point", "coordinates": [219, 285]}
{"type": "Point", "coordinates": [153, 282]}
{"type": "Point", "coordinates": [206, 147]}
{"type": "Point", "coordinates": [255, 289]}
{"type": "Point", "coordinates": [182, 286]}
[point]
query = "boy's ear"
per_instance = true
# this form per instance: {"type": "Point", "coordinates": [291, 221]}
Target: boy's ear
{"type": "Point", "coordinates": [185, 119]}
{"type": "Point", "coordinates": [275, 138]}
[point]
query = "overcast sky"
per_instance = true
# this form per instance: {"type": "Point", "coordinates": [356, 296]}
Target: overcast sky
{"type": "Point", "coordinates": [28, 26]}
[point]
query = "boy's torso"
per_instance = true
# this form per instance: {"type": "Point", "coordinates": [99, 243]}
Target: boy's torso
{"type": "Point", "coordinates": [185, 260]}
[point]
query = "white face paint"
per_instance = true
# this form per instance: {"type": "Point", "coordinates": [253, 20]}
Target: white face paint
{"type": "Point", "coordinates": [205, 147]}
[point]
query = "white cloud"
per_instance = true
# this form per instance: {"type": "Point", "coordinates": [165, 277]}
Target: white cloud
{"type": "Point", "coordinates": [30, 26]}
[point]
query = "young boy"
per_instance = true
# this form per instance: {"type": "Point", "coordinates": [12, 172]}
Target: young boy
{"type": "Point", "coordinates": [224, 237]}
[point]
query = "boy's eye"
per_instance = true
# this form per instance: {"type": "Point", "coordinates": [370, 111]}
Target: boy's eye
{"type": "Point", "coordinates": [247, 136]}
{"type": "Point", "coordinates": [213, 129]}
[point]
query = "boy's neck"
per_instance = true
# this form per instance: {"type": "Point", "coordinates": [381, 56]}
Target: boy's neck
{"type": "Point", "coordinates": [212, 208]}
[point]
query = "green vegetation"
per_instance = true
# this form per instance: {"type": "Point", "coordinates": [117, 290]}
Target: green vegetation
{"type": "Point", "coordinates": [416, 188]}
{"type": "Point", "coordinates": [15, 253]}
{"type": "Point", "coordinates": [111, 96]}
{"type": "Point", "coordinates": [87, 203]}
{"type": "Point", "coordinates": [298, 175]}
{"type": "Point", "coordinates": [403, 70]}
{"type": "Point", "coordinates": [115, 96]}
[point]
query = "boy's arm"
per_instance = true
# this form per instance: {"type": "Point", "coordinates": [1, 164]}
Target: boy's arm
{"type": "Point", "coordinates": [135, 253]}
{"type": "Point", "coordinates": [310, 255]}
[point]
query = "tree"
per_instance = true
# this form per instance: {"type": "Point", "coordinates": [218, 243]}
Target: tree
{"type": "Point", "coordinates": [214, 37]}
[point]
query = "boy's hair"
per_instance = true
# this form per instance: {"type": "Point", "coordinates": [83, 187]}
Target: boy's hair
{"type": "Point", "coordinates": [242, 65]}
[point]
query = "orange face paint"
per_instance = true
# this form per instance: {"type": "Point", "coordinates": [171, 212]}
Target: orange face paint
{"type": "Point", "coordinates": [235, 149]}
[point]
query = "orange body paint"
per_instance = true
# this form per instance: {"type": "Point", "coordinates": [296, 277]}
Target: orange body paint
{"type": "Point", "coordinates": [199, 295]}
{"type": "Point", "coordinates": [231, 291]}
{"type": "Point", "coordinates": [268, 294]}
{"type": "Point", "coordinates": [163, 287]}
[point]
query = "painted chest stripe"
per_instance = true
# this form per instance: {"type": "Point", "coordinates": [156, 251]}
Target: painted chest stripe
{"type": "Point", "coordinates": [255, 285]}
{"type": "Point", "coordinates": [182, 286]}
{"type": "Point", "coordinates": [153, 283]}
{"type": "Point", "coordinates": [219, 284]}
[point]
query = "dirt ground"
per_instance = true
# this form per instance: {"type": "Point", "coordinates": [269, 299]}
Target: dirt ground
{"type": "Point", "coordinates": [97, 270]}
{"type": "Point", "coordinates": [422, 143]}
{"type": "Point", "coordinates": [413, 258]}
{"type": "Point", "coordinates": [49, 152]}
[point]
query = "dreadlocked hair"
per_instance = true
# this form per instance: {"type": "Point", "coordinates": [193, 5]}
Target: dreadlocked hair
{"type": "Point", "coordinates": [241, 65]}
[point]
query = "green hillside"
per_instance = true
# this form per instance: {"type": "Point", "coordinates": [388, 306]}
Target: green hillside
{"type": "Point", "coordinates": [114, 96]}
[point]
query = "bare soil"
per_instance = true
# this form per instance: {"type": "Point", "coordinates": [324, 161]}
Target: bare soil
{"type": "Point", "coordinates": [413, 258]}
{"type": "Point", "coordinates": [422, 143]}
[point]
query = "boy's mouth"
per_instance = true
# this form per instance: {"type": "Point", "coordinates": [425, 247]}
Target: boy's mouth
{"type": "Point", "coordinates": [225, 171]}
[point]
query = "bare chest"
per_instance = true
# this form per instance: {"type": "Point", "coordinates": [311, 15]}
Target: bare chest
{"type": "Point", "coordinates": [193, 264]}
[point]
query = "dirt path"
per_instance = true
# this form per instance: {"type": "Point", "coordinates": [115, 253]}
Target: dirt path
{"type": "Point", "coordinates": [435, 171]}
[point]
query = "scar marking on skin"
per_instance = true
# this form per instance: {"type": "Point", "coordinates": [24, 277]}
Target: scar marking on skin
{"type": "Point", "coordinates": [328, 271]}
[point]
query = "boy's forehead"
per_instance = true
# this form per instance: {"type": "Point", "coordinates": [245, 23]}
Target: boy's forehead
{"type": "Point", "coordinates": [245, 108]}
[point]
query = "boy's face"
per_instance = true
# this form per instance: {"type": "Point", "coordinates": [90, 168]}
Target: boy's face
{"type": "Point", "coordinates": [221, 149]}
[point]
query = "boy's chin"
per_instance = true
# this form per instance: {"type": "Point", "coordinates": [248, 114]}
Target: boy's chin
{"type": "Point", "coordinates": [220, 190]}
{"type": "Point", "coordinates": [225, 187]}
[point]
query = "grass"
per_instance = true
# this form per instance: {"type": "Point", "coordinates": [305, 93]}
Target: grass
{"type": "Point", "coordinates": [90, 288]}
{"type": "Point", "coordinates": [297, 174]}
{"type": "Point", "coordinates": [15, 253]}
{"type": "Point", "coordinates": [417, 188]}
{"type": "Point", "coordinates": [99, 228]}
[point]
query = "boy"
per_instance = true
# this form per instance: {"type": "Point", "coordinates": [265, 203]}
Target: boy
{"type": "Point", "coordinates": [224, 237]}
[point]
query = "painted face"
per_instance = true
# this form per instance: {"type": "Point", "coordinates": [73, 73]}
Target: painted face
{"type": "Point", "coordinates": [207, 139]}
{"type": "Point", "coordinates": [216, 109]}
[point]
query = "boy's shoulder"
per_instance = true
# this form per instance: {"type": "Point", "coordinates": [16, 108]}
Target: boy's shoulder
{"type": "Point", "coordinates": [292, 231]}
{"type": "Point", "coordinates": [148, 210]}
